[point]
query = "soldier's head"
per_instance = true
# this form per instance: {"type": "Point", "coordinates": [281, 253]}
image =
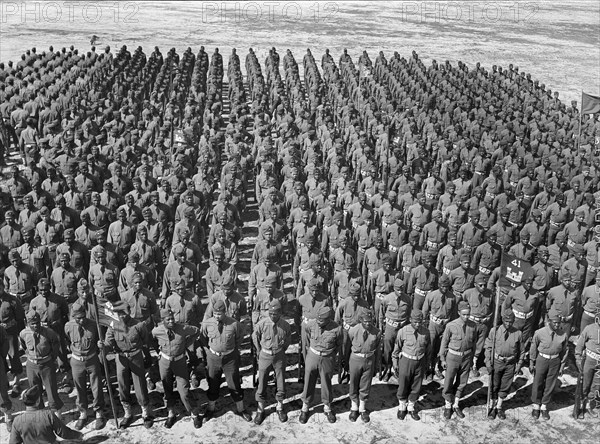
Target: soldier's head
{"type": "Point", "coordinates": [324, 315]}
{"type": "Point", "coordinates": [560, 239]}
{"type": "Point", "coordinates": [416, 318]}
{"type": "Point", "coordinates": [315, 264]}
{"type": "Point", "coordinates": [9, 216]}
{"type": "Point", "coordinates": [121, 308]}
{"type": "Point", "coordinates": [554, 320]}
{"type": "Point", "coordinates": [223, 218]}
{"type": "Point", "coordinates": [421, 199]}
{"type": "Point", "coordinates": [15, 258]}
{"type": "Point", "coordinates": [464, 310]}
{"type": "Point", "coordinates": [578, 252]}
{"type": "Point", "coordinates": [34, 320]}
{"type": "Point", "coordinates": [362, 198]}
{"type": "Point", "coordinates": [428, 258]}
{"type": "Point", "coordinates": [527, 282]}
{"type": "Point", "coordinates": [413, 238]}
{"type": "Point", "coordinates": [465, 261]}
{"type": "Point", "coordinates": [275, 310]}
{"type": "Point", "coordinates": [543, 254]}
{"type": "Point", "coordinates": [444, 283]}
{"type": "Point", "coordinates": [227, 284]}
{"type": "Point", "coordinates": [142, 233]}
{"type": "Point", "coordinates": [44, 287]}
{"type": "Point", "coordinates": [137, 281]}
{"type": "Point", "coordinates": [180, 287]}
{"type": "Point", "coordinates": [508, 318]}
{"type": "Point", "coordinates": [78, 314]}
{"type": "Point", "coordinates": [379, 242]}
{"type": "Point", "coordinates": [580, 216]}
{"type": "Point", "coordinates": [219, 256]}
{"type": "Point", "coordinates": [100, 255]}
{"type": "Point", "coordinates": [101, 237]}
{"type": "Point", "coordinates": [367, 319]}
{"type": "Point", "coordinates": [28, 232]}
{"type": "Point", "coordinates": [566, 280]}
{"type": "Point", "coordinates": [168, 318]}
{"type": "Point", "coordinates": [219, 310]}
{"type": "Point", "coordinates": [31, 396]}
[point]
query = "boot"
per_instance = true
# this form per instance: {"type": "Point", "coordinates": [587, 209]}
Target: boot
{"type": "Point", "coordinates": [81, 420]}
{"type": "Point", "coordinates": [147, 416]}
{"type": "Point", "coordinates": [127, 418]}
{"type": "Point", "coordinates": [583, 409]}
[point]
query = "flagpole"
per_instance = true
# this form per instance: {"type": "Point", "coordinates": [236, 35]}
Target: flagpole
{"type": "Point", "coordinates": [580, 116]}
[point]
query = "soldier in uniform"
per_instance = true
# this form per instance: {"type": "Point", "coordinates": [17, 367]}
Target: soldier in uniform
{"type": "Point", "coordinates": [423, 279]}
{"type": "Point", "coordinates": [12, 319]}
{"type": "Point", "coordinates": [439, 308]}
{"type": "Point", "coordinates": [587, 357]}
{"type": "Point", "coordinates": [235, 304]}
{"type": "Point", "coordinates": [82, 336]}
{"type": "Point", "coordinates": [64, 279]}
{"type": "Point", "coordinates": [127, 338]}
{"type": "Point", "coordinates": [272, 336]}
{"type": "Point", "coordinates": [410, 355]}
{"type": "Point", "coordinates": [19, 279]}
{"type": "Point", "coordinates": [456, 355]}
{"type": "Point", "coordinates": [324, 339]}
{"type": "Point", "coordinates": [41, 346]}
{"type": "Point", "coordinates": [509, 351]}
{"type": "Point", "coordinates": [481, 301]}
{"type": "Point", "coordinates": [365, 340]}
{"type": "Point", "coordinates": [221, 337]}
{"type": "Point", "coordinates": [5, 402]}
{"type": "Point", "coordinates": [39, 425]}
{"type": "Point", "coordinates": [547, 353]}
{"type": "Point", "coordinates": [590, 303]}
{"type": "Point", "coordinates": [173, 339]}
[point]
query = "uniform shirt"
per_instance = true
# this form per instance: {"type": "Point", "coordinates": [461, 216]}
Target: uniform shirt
{"type": "Point", "coordinates": [558, 255]}
{"type": "Point", "coordinates": [187, 309]}
{"type": "Point", "coordinates": [262, 301]}
{"type": "Point", "coordinates": [39, 345]}
{"type": "Point", "coordinates": [543, 274]}
{"type": "Point", "coordinates": [574, 268]}
{"type": "Point", "coordinates": [326, 340]}
{"type": "Point", "coordinates": [470, 236]}
{"type": "Point", "coordinates": [440, 305]}
{"type": "Point", "coordinates": [174, 272]}
{"type": "Point", "coordinates": [80, 256]}
{"type": "Point", "coordinates": [486, 257]}
{"type": "Point", "coordinates": [409, 257]}
{"type": "Point", "coordinates": [422, 279]}
{"type": "Point", "coordinates": [235, 305]}
{"type": "Point", "coordinates": [127, 336]}
{"type": "Point", "coordinates": [395, 307]}
{"type": "Point", "coordinates": [230, 338]}
{"type": "Point", "coordinates": [482, 304]}
{"type": "Point", "coordinates": [562, 300]}
{"type": "Point", "coordinates": [338, 258]}
{"type": "Point", "coordinates": [348, 312]}
{"type": "Point", "coordinates": [462, 279]}
{"type": "Point", "coordinates": [311, 306]}
{"type": "Point", "coordinates": [127, 274]}
{"type": "Point", "coordinates": [342, 281]}
{"type": "Point", "coordinates": [39, 426]}
{"type": "Point", "coordinates": [88, 306]}
{"type": "Point", "coordinates": [10, 237]}
{"type": "Point", "coordinates": [458, 336]}
{"type": "Point", "coordinates": [590, 299]}
{"type": "Point", "coordinates": [360, 344]}
{"type": "Point", "coordinates": [214, 276]}
{"type": "Point", "coordinates": [523, 304]}
{"type": "Point", "coordinates": [12, 316]}
{"type": "Point", "coordinates": [50, 233]}
{"type": "Point", "coordinates": [448, 259]}
{"type": "Point", "coordinates": [19, 281]}
{"type": "Point", "coordinates": [275, 337]}
{"type": "Point", "coordinates": [412, 342]}
{"type": "Point", "coordinates": [173, 342]}
{"type": "Point", "coordinates": [38, 258]}
{"type": "Point", "coordinates": [509, 344]}
{"type": "Point", "coordinates": [549, 342]}
{"type": "Point", "coordinates": [104, 280]}
{"type": "Point", "coordinates": [258, 276]}
{"type": "Point", "coordinates": [64, 281]}
{"type": "Point", "coordinates": [53, 310]}
{"type": "Point", "coordinates": [142, 304]}
{"type": "Point", "coordinates": [82, 339]}
{"type": "Point", "coordinates": [589, 339]}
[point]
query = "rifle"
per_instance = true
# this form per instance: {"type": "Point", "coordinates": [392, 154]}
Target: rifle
{"type": "Point", "coordinates": [253, 353]}
{"type": "Point", "coordinates": [577, 407]}
{"type": "Point", "coordinates": [105, 363]}
{"type": "Point", "coordinates": [495, 330]}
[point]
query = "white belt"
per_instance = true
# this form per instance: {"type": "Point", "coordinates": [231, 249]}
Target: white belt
{"type": "Point", "coordinates": [590, 314]}
{"type": "Point", "coordinates": [458, 353]}
{"type": "Point", "coordinates": [554, 224]}
{"type": "Point", "coordinates": [521, 315]}
{"type": "Point", "coordinates": [362, 249]}
{"type": "Point", "coordinates": [392, 248]}
{"type": "Point", "coordinates": [363, 355]}
{"type": "Point", "coordinates": [479, 319]}
{"type": "Point", "coordinates": [172, 358]}
{"type": "Point", "coordinates": [421, 292]}
{"type": "Point", "coordinates": [592, 269]}
{"type": "Point", "coordinates": [380, 296]}
{"type": "Point", "coordinates": [216, 353]}
{"type": "Point", "coordinates": [414, 358]}
{"type": "Point", "coordinates": [544, 355]}
{"type": "Point", "coordinates": [446, 270]}
{"type": "Point", "coordinates": [430, 196]}
{"type": "Point", "coordinates": [82, 358]}
{"type": "Point", "coordinates": [393, 324]}
{"type": "Point", "coordinates": [305, 319]}
{"type": "Point", "coordinates": [346, 326]}
{"type": "Point", "coordinates": [269, 352]}
{"type": "Point", "coordinates": [318, 353]}
{"type": "Point", "coordinates": [416, 227]}
{"type": "Point", "coordinates": [406, 269]}
{"type": "Point", "coordinates": [437, 320]}
{"type": "Point", "coordinates": [431, 244]}
{"type": "Point", "coordinates": [484, 270]}
{"type": "Point", "coordinates": [593, 355]}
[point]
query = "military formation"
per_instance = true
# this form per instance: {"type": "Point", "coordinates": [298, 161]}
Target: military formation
{"type": "Point", "coordinates": [388, 191]}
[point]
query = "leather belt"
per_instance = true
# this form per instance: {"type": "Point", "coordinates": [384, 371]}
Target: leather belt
{"type": "Point", "coordinates": [593, 355]}
{"type": "Point", "coordinates": [522, 315]}
{"type": "Point", "coordinates": [414, 358]}
{"type": "Point", "coordinates": [270, 352]}
{"type": "Point", "coordinates": [363, 355]}
{"type": "Point", "coordinates": [318, 353]}
{"type": "Point", "coordinates": [82, 358]}
{"type": "Point", "coordinates": [131, 354]}
{"type": "Point", "coordinates": [459, 353]}
{"type": "Point", "coordinates": [544, 355]}
{"type": "Point", "coordinates": [391, 323]}
{"type": "Point", "coordinates": [172, 358]}
{"type": "Point", "coordinates": [39, 361]}
{"type": "Point", "coordinates": [216, 353]}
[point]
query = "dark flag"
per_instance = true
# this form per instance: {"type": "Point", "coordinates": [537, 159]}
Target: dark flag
{"type": "Point", "coordinates": [589, 104]}
{"type": "Point", "coordinates": [513, 270]}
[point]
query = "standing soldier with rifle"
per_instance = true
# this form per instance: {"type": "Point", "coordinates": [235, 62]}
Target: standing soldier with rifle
{"type": "Point", "coordinates": [410, 357]}
{"type": "Point", "coordinates": [587, 356]}
{"type": "Point", "coordinates": [504, 349]}
{"type": "Point", "coordinates": [271, 337]}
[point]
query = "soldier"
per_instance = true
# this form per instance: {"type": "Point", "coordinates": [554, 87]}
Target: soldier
{"type": "Point", "coordinates": [324, 339]}
{"type": "Point", "coordinates": [509, 350]}
{"type": "Point", "coordinates": [440, 307]}
{"type": "Point", "coordinates": [547, 354]}
{"type": "Point", "coordinates": [422, 279]}
{"type": "Point", "coordinates": [127, 338]}
{"type": "Point", "coordinates": [458, 346]}
{"type": "Point", "coordinates": [481, 302]}
{"type": "Point", "coordinates": [365, 340]}
{"type": "Point", "coordinates": [411, 350]}
{"type": "Point", "coordinates": [41, 346]}
{"type": "Point", "coordinates": [82, 337]}
{"type": "Point", "coordinates": [173, 339]}
{"type": "Point", "coordinates": [348, 314]}
{"type": "Point", "coordinates": [12, 319]}
{"type": "Point", "coordinates": [590, 302]}
{"type": "Point", "coordinates": [19, 279]}
{"type": "Point", "coordinates": [36, 424]}
{"type": "Point", "coordinates": [587, 357]}
{"type": "Point", "coordinates": [221, 336]}
{"type": "Point", "coordinates": [64, 279]}
{"type": "Point", "coordinates": [264, 297]}
{"type": "Point", "coordinates": [272, 336]}
{"type": "Point", "coordinates": [54, 314]}
{"type": "Point", "coordinates": [525, 304]}
{"type": "Point", "coordinates": [5, 402]}
{"type": "Point", "coordinates": [235, 304]}
{"type": "Point", "coordinates": [103, 279]}
{"type": "Point", "coordinates": [181, 269]}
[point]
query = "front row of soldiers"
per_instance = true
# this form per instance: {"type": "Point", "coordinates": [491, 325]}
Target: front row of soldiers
{"type": "Point", "coordinates": [325, 337]}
